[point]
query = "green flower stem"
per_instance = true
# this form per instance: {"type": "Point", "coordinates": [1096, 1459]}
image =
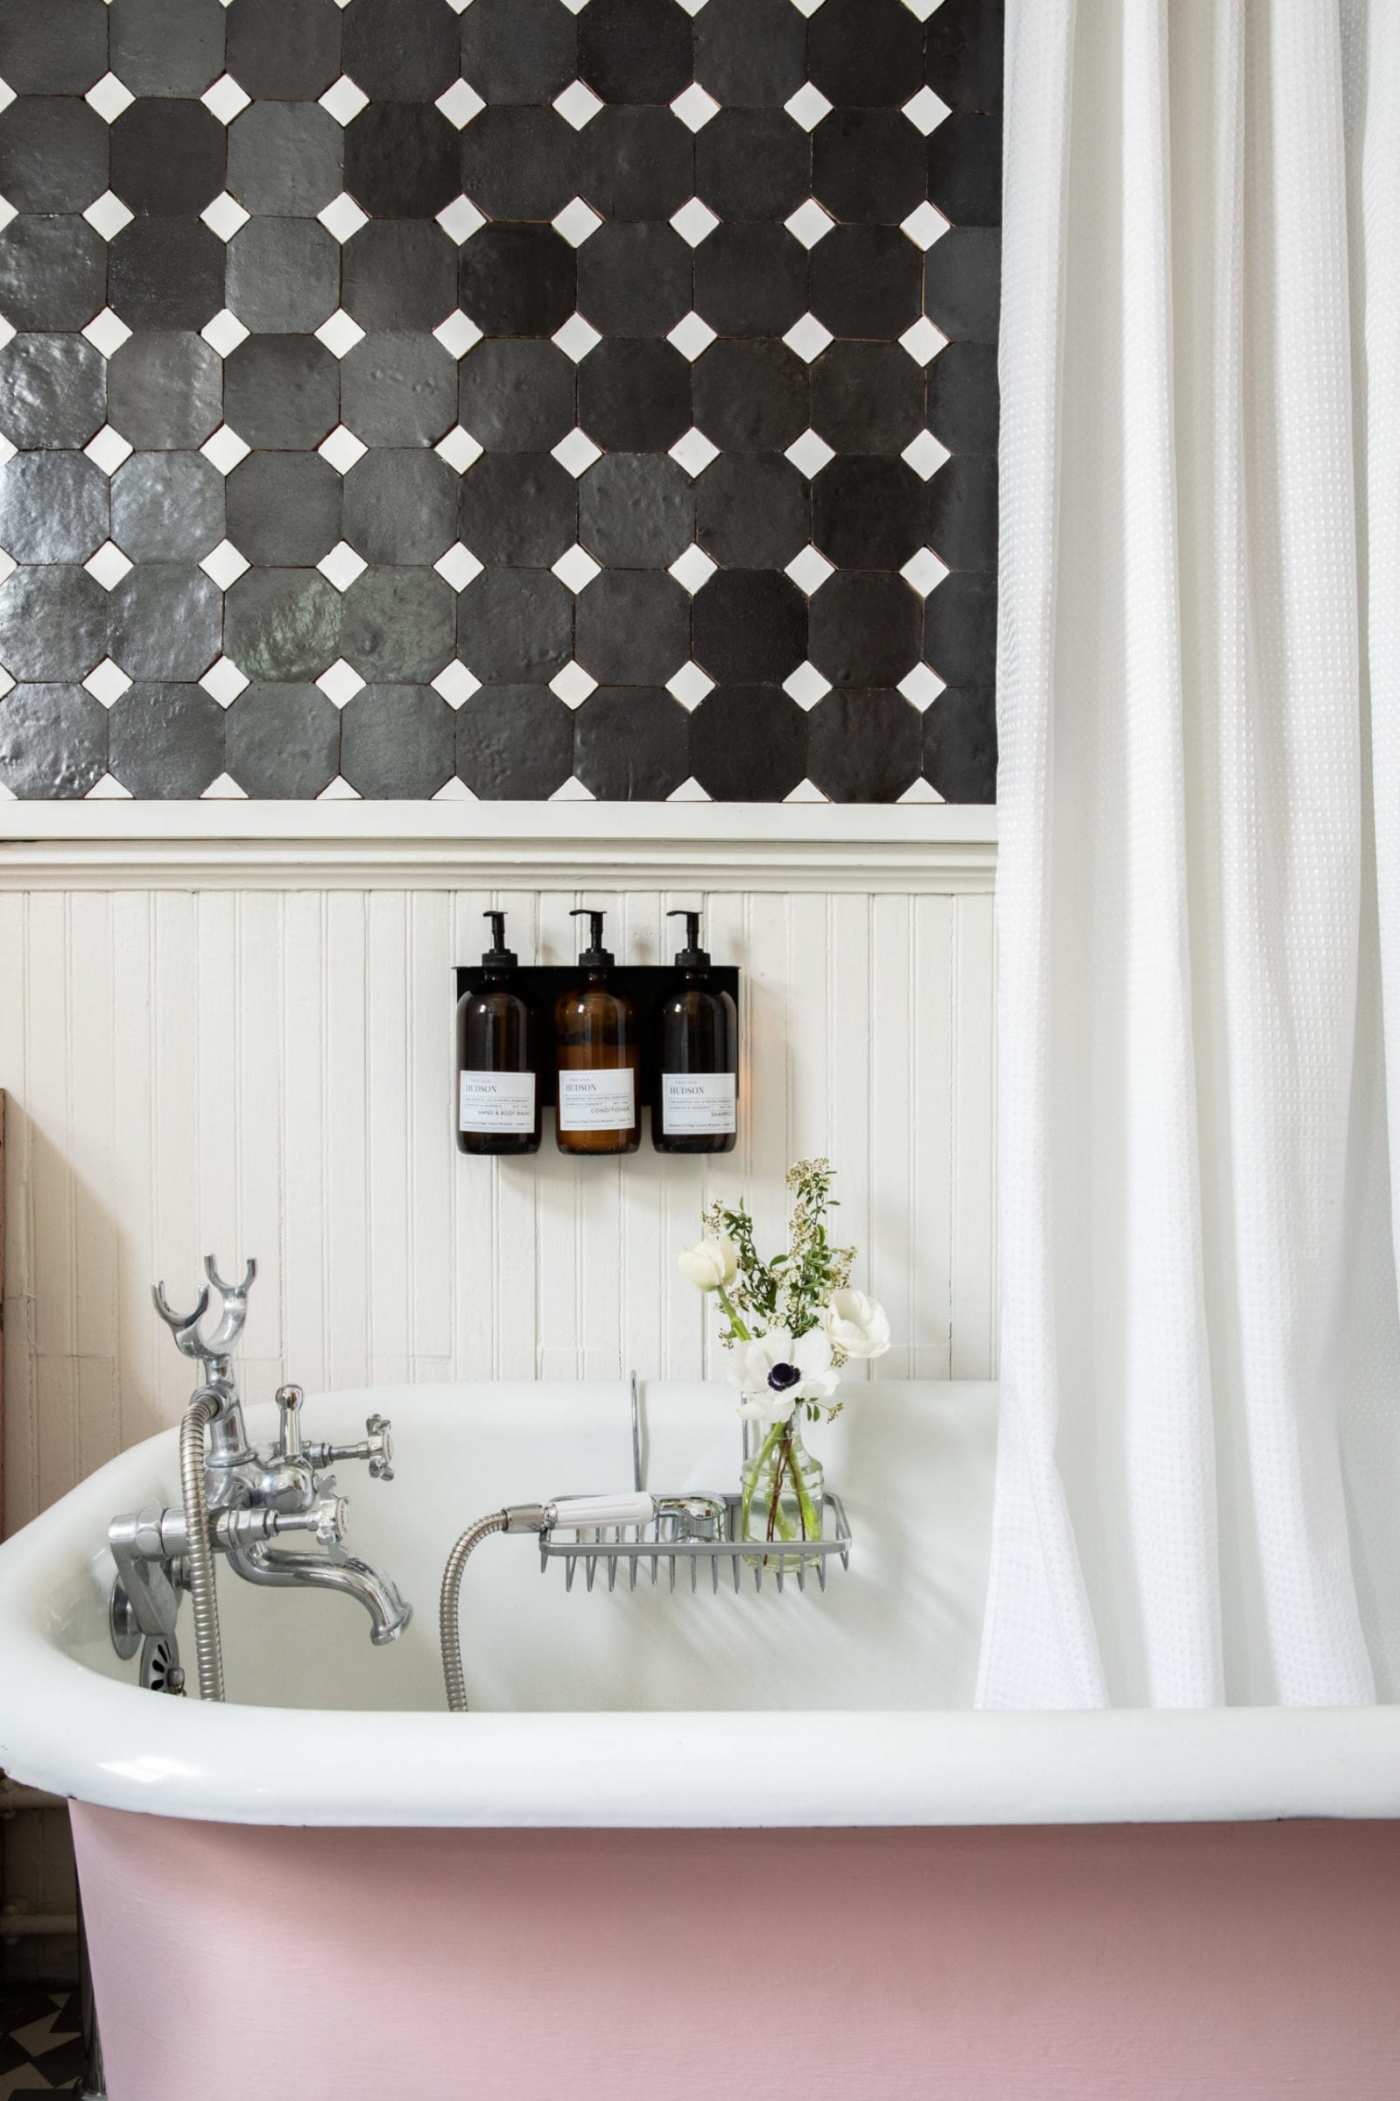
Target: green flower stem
{"type": "Point", "coordinates": [736, 1326]}
{"type": "Point", "coordinates": [753, 1473]}
{"type": "Point", "coordinates": [811, 1522]}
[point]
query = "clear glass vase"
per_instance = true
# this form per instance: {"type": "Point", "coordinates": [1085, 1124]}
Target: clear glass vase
{"type": "Point", "coordinates": [783, 1488]}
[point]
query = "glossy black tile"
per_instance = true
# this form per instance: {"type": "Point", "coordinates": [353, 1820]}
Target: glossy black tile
{"type": "Point", "coordinates": [748, 744]}
{"type": "Point", "coordinates": [285, 157]}
{"type": "Point", "coordinates": [54, 623]}
{"type": "Point", "coordinates": [960, 620]}
{"type": "Point", "coordinates": [167, 47]}
{"type": "Point", "coordinates": [519, 163]}
{"type": "Point", "coordinates": [749, 627]}
{"type": "Point", "coordinates": [517, 280]}
{"type": "Point", "coordinates": [963, 53]}
{"type": "Point", "coordinates": [519, 50]}
{"type": "Point", "coordinates": [401, 160]}
{"type": "Point", "coordinates": [750, 53]}
{"type": "Point", "coordinates": [864, 746]}
{"type": "Point", "coordinates": [634, 396]}
{"type": "Point", "coordinates": [283, 275]}
{"type": "Point", "coordinates": [753, 163]}
{"type": "Point", "coordinates": [516, 396]}
{"type": "Point", "coordinates": [636, 163]}
{"type": "Point", "coordinates": [751, 279]}
{"type": "Point", "coordinates": [752, 511]}
{"type": "Point", "coordinates": [282, 624]}
{"type": "Point", "coordinates": [869, 513]}
{"type": "Point", "coordinates": [865, 52]}
{"type": "Point", "coordinates": [398, 625]}
{"type": "Point", "coordinates": [53, 741]}
{"type": "Point", "coordinates": [751, 397]}
{"type": "Point", "coordinates": [166, 273]}
{"type": "Point", "coordinates": [167, 157]}
{"type": "Point", "coordinates": [398, 274]}
{"type": "Point", "coordinates": [631, 744]}
{"type": "Point", "coordinates": [960, 744]}
{"type": "Point", "coordinates": [166, 621]}
{"type": "Point", "coordinates": [53, 507]}
{"type": "Point", "coordinates": [866, 281]}
{"type": "Point", "coordinates": [867, 397]}
{"type": "Point", "coordinates": [397, 741]}
{"type": "Point", "coordinates": [869, 165]}
{"type": "Point", "coordinates": [515, 626]}
{"type": "Point", "coordinates": [166, 740]}
{"type": "Point", "coordinates": [282, 392]}
{"type": "Point", "coordinates": [169, 507]}
{"type": "Point", "coordinates": [962, 283]}
{"type": "Point", "coordinates": [401, 507]}
{"type": "Point", "coordinates": [53, 391]}
{"type": "Point", "coordinates": [635, 50]}
{"type": "Point", "coordinates": [962, 512]}
{"type": "Point", "coordinates": [632, 626]}
{"type": "Point", "coordinates": [53, 273]}
{"type": "Point", "coordinates": [284, 50]}
{"type": "Point", "coordinates": [57, 49]}
{"type": "Point", "coordinates": [53, 154]}
{"type": "Point", "coordinates": [284, 508]}
{"type": "Point", "coordinates": [514, 743]}
{"type": "Point", "coordinates": [283, 741]}
{"type": "Point", "coordinates": [964, 169]}
{"type": "Point", "coordinates": [964, 401]}
{"type": "Point", "coordinates": [636, 510]}
{"type": "Point", "coordinates": [165, 390]}
{"type": "Point", "coordinates": [401, 50]}
{"type": "Point", "coordinates": [864, 629]}
{"type": "Point", "coordinates": [398, 390]}
{"type": "Point", "coordinates": [519, 509]}
{"type": "Point", "coordinates": [634, 279]}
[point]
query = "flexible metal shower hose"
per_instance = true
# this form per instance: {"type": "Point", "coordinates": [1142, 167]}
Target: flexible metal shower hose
{"type": "Point", "coordinates": [449, 1605]}
{"type": "Point", "coordinates": [208, 1648]}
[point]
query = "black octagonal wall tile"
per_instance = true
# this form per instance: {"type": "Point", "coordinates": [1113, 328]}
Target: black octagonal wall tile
{"type": "Point", "coordinates": [751, 280]}
{"type": "Point", "coordinates": [169, 506]}
{"type": "Point", "coordinates": [53, 273]}
{"type": "Point", "coordinates": [168, 156]}
{"type": "Point", "coordinates": [632, 625]}
{"type": "Point", "coordinates": [53, 153]}
{"type": "Point", "coordinates": [866, 282]}
{"type": "Point", "coordinates": [53, 391]}
{"type": "Point", "coordinates": [284, 50]}
{"type": "Point", "coordinates": [964, 400]}
{"type": "Point", "coordinates": [753, 163]}
{"type": "Point", "coordinates": [282, 392]}
{"type": "Point", "coordinates": [283, 275]}
{"type": "Point", "coordinates": [397, 741]}
{"type": "Point", "coordinates": [960, 620]}
{"type": "Point", "coordinates": [398, 274]}
{"type": "Point", "coordinates": [516, 396]}
{"type": "Point", "coordinates": [401, 160]}
{"type": "Point", "coordinates": [636, 163]}
{"type": "Point", "coordinates": [869, 513]}
{"type": "Point", "coordinates": [634, 279]}
{"type": "Point", "coordinates": [864, 629]}
{"type": "Point", "coordinates": [751, 397]}
{"type": "Point", "coordinates": [749, 627]}
{"type": "Point", "coordinates": [750, 53]}
{"type": "Point", "coordinates": [752, 512]}
{"type": "Point", "coordinates": [284, 508]}
{"type": "Point", "coordinates": [167, 621]}
{"type": "Point", "coordinates": [964, 169]}
{"type": "Point", "coordinates": [57, 49]}
{"type": "Point", "coordinates": [519, 163]}
{"type": "Point", "coordinates": [54, 507]}
{"type": "Point", "coordinates": [631, 744]}
{"type": "Point", "coordinates": [514, 743]}
{"type": "Point", "coordinates": [167, 47]}
{"type": "Point", "coordinates": [962, 283]}
{"type": "Point", "coordinates": [960, 744]}
{"type": "Point", "coordinates": [53, 741]}
{"type": "Point", "coordinates": [869, 164]}
{"type": "Point", "coordinates": [54, 624]}
{"type": "Point", "coordinates": [519, 50]}
{"type": "Point", "coordinates": [635, 50]}
{"type": "Point", "coordinates": [283, 742]}
{"type": "Point", "coordinates": [963, 53]}
{"type": "Point", "coordinates": [398, 625]}
{"type": "Point", "coordinates": [166, 273]}
{"type": "Point", "coordinates": [401, 506]}
{"type": "Point", "coordinates": [515, 626]}
{"type": "Point", "coordinates": [867, 397]}
{"type": "Point", "coordinates": [517, 280]}
{"type": "Point", "coordinates": [865, 52]}
{"type": "Point", "coordinates": [518, 509]}
{"type": "Point", "coordinates": [401, 50]}
{"type": "Point", "coordinates": [634, 396]}
{"type": "Point", "coordinates": [285, 157]}
{"type": "Point", "coordinates": [165, 391]}
{"type": "Point", "coordinates": [864, 746]}
{"type": "Point", "coordinates": [398, 390]}
{"type": "Point", "coordinates": [962, 513]}
{"type": "Point", "coordinates": [282, 624]}
{"type": "Point", "coordinates": [748, 744]}
{"type": "Point", "coordinates": [166, 740]}
{"type": "Point", "coordinates": [636, 510]}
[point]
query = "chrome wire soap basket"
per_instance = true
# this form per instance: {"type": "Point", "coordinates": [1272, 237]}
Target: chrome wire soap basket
{"type": "Point", "coordinates": [694, 1531]}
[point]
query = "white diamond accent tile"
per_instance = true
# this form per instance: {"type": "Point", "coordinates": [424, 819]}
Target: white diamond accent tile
{"type": "Point", "coordinates": [925, 454]}
{"type": "Point", "coordinates": [921, 686]}
{"type": "Point", "coordinates": [924, 225]}
{"type": "Point", "coordinates": [920, 791]}
{"type": "Point", "coordinates": [809, 223]}
{"type": "Point", "coordinates": [226, 99]}
{"type": "Point", "coordinates": [692, 336]}
{"type": "Point", "coordinates": [460, 219]}
{"type": "Point", "coordinates": [807, 107]}
{"type": "Point", "coordinates": [223, 788]}
{"type": "Point", "coordinates": [107, 215]}
{"type": "Point", "coordinates": [695, 106]}
{"type": "Point", "coordinates": [344, 100]}
{"type": "Point", "coordinates": [806, 685]}
{"type": "Point", "coordinates": [342, 217]}
{"type": "Point", "coordinates": [576, 452]}
{"type": "Point", "coordinates": [577, 104]}
{"type": "Point", "coordinates": [573, 790]}
{"type": "Point", "coordinates": [575, 7]}
{"type": "Point", "coordinates": [108, 789]}
{"type": "Point", "coordinates": [923, 571]}
{"type": "Point", "coordinates": [923, 341]}
{"type": "Point", "coordinates": [808, 337]}
{"type": "Point", "coordinates": [573, 684]}
{"type": "Point", "coordinates": [455, 683]}
{"type": "Point", "coordinates": [224, 564]}
{"type": "Point", "coordinates": [225, 449]}
{"type": "Point", "coordinates": [460, 103]}
{"type": "Point", "coordinates": [458, 567]}
{"type": "Point", "coordinates": [805, 791]}
{"type": "Point", "coordinates": [7, 450]}
{"type": "Point", "coordinates": [806, 7]}
{"type": "Point", "coordinates": [689, 685]}
{"type": "Point", "coordinates": [575, 568]}
{"type": "Point", "coordinates": [694, 451]}
{"type": "Point", "coordinates": [7, 794]}
{"type": "Point", "coordinates": [457, 333]}
{"type": "Point", "coordinates": [339, 683]}
{"type": "Point", "coordinates": [342, 565]}
{"type": "Point", "coordinates": [693, 569]}
{"type": "Point", "coordinates": [224, 333]}
{"type": "Point", "coordinates": [690, 789]}
{"type": "Point", "coordinates": [7, 331]}
{"type": "Point", "coordinates": [339, 790]}
{"type": "Point", "coordinates": [455, 790]}
{"type": "Point", "coordinates": [923, 8]}
{"type": "Point", "coordinates": [106, 332]}
{"type": "Point", "coordinates": [459, 448]}
{"type": "Point", "coordinates": [576, 222]}
{"type": "Point", "coordinates": [109, 97]}
{"type": "Point", "coordinates": [224, 216]}
{"type": "Point", "coordinates": [692, 7]}
{"type": "Point", "coordinates": [576, 338]}
{"type": "Point", "coordinates": [6, 683]}
{"type": "Point", "coordinates": [108, 449]}
{"type": "Point", "coordinates": [8, 566]}
{"type": "Point", "coordinates": [223, 681]}
{"type": "Point", "coordinates": [694, 222]}
{"type": "Point", "coordinates": [926, 111]}
{"type": "Point", "coordinates": [8, 211]}
{"type": "Point", "coordinates": [108, 566]}
{"type": "Point", "coordinates": [340, 333]}
{"type": "Point", "coordinates": [342, 448]}
{"type": "Point", "coordinates": [810, 569]}
{"type": "Point", "coordinates": [809, 453]}
{"type": "Point", "coordinates": [107, 682]}
{"type": "Point", "coordinates": [7, 94]}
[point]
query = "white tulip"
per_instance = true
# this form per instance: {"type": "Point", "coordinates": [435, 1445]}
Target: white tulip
{"type": "Point", "coordinates": [857, 1325]}
{"type": "Point", "coordinates": [710, 1264]}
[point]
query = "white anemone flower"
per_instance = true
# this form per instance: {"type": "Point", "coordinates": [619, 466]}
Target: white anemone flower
{"type": "Point", "coordinates": [710, 1264]}
{"type": "Point", "coordinates": [774, 1373]}
{"type": "Point", "coordinates": [857, 1325]}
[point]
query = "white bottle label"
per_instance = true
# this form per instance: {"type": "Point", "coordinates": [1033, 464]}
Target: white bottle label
{"type": "Point", "coordinates": [695, 1104]}
{"type": "Point", "coordinates": [598, 1101]}
{"type": "Point", "coordinates": [496, 1101]}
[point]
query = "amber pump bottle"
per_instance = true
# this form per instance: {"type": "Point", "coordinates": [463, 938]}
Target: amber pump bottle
{"type": "Point", "coordinates": [595, 1035]}
{"type": "Point", "coordinates": [697, 1055]}
{"type": "Point", "coordinates": [498, 1093]}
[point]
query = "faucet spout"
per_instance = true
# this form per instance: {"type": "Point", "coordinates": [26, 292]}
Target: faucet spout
{"type": "Point", "coordinates": [389, 1613]}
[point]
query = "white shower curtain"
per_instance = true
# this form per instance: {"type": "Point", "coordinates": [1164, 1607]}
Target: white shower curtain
{"type": "Point", "coordinates": [1198, 1494]}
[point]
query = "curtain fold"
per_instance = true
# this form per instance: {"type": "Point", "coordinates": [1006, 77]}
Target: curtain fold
{"type": "Point", "coordinates": [1199, 680]}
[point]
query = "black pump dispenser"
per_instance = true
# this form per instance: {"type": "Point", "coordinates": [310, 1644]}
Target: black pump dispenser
{"type": "Point", "coordinates": [692, 956]}
{"type": "Point", "coordinates": [595, 955]}
{"type": "Point", "coordinates": [697, 1056]}
{"type": "Point", "coordinates": [498, 1092]}
{"type": "Point", "coordinates": [498, 956]}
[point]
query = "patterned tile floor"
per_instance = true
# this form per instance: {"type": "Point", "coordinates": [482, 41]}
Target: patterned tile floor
{"type": "Point", "coordinates": [41, 2046]}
